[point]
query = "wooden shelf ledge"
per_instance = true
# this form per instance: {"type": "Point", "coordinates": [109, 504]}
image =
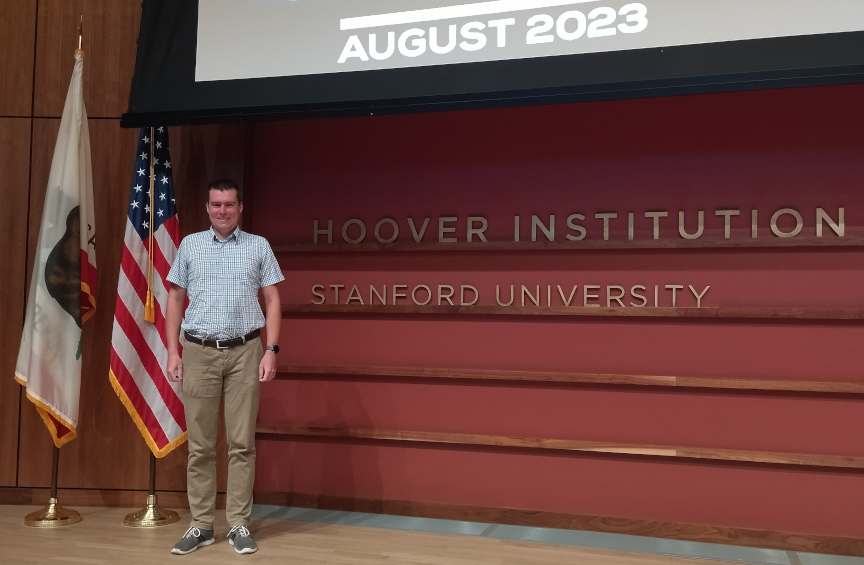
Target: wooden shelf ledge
{"type": "Point", "coordinates": [766, 242]}
{"type": "Point", "coordinates": [825, 314]}
{"type": "Point", "coordinates": [835, 461]}
{"type": "Point", "coordinates": [584, 378]}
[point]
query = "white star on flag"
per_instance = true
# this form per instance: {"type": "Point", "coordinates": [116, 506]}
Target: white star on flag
{"type": "Point", "coordinates": [137, 188]}
{"type": "Point", "coordinates": [159, 213]}
{"type": "Point", "coordinates": [146, 139]}
{"type": "Point", "coordinates": [146, 209]}
{"type": "Point", "coordinates": [161, 129]}
{"type": "Point", "coordinates": [134, 204]}
{"type": "Point", "coordinates": [168, 164]}
{"type": "Point", "coordinates": [146, 225]}
{"type": "Point", "coordinates": [144, 156]}
{"type": "Point", "coordinates": [158, 145]}
{"type": "Point", "coordinates": [161, 196]}
{"type": "Point", "coordinates": [164, 179]}
{"type": "Point", "coordinates": [140, 172]}
{"type": "Point", "coordinates": [155, 161]}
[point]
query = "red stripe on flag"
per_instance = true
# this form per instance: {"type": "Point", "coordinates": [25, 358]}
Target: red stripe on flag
{"type": "Point", "coordinates": [163, 267]}
{"type": "Point", "coordinates": [172, 226]}
{"type": "Point", "coordinates": [136, 279]}
{"type": "Point", "coordinates": [134, 274]}
{"type": "Point", "coordinates": [149, 361]}
{"type": "Point", "coordinates": [137, 399]}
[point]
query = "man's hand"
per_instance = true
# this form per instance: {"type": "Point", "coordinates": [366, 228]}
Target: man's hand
{"type": "Point", "coordinates": [267, 368]}
{"type": "Point", "coordinates": [174, 370]}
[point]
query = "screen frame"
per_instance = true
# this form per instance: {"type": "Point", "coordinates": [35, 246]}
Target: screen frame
{"type": "Point", "coordinates": [166, 56]}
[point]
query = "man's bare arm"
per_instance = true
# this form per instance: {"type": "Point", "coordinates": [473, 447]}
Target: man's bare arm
{"type": "Point", "coordinates": [273, 323]}
{"type": "Point", "coordinates": [173, 315]}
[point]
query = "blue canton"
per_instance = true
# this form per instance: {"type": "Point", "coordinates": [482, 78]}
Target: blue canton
{"type": "Point", "coordinates": [164, 205]}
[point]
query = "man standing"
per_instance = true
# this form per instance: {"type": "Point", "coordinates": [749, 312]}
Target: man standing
{"type": "Point", "coordinates": [221, 271]}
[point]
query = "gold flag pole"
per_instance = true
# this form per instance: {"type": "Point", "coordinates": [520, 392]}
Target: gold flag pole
{"type": "Point", "coordinates": [52, 515]}
{"type": "Point", "coordinates": [151, 515]}
{"type": "Point", "coordinates": [55, 515]}
{"type": "Point", "coordinates": [149, 307]}
{"type": "Point", "coordinates": [80, 33]}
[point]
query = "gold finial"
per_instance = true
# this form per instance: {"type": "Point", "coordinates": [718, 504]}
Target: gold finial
{"type": "Point", "coordinates": [80, 35]}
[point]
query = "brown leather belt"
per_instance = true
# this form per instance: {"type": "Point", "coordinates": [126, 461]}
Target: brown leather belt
{"type": "Point", "coordinates": [223, 343]}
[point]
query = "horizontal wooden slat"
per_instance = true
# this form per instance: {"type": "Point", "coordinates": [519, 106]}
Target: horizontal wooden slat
{"type": "Point", "coordinates": [838, 461]}
{"type": "Point", "coordinates": [827, 314]}
{"type": "Point", "coordinates": [835, 387]}
{"type": "Point", "coordinates": [809, 543]}
{"type": "Point", "coordinates": [504, 246]}
{"type": "Point", "coordinates": [71, 497]}
{"type": "Point", "coordinates": [587, 378]}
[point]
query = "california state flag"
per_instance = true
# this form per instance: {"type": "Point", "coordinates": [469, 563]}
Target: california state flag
{"type": "Point", "coordinates": [63, 287]}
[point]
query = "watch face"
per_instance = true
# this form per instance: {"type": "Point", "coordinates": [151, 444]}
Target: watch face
{"type": "Point", "coordinates": [273, 348]}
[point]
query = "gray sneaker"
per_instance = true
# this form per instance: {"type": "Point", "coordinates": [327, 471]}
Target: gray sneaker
{"type": "Point", "coordinates": [241, 539]}
{"type": "Point", "coordinates": [192, 540]}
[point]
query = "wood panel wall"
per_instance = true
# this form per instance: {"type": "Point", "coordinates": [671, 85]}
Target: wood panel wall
{"type": "Point", "coordinates": [36, 59]}
{"type": "Point", "coordinates": [36, 56]}
{"type": "Point", "coordinates": [14, 168]}
{"type": "Point", "coordinates": [17, 49]}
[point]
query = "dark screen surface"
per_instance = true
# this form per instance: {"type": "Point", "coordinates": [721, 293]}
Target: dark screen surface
{"type": "Point", "coordinates": [164, 90]}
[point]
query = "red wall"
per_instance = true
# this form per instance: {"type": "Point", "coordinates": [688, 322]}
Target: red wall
{"type": "Point", "coordinates": [798, 148]}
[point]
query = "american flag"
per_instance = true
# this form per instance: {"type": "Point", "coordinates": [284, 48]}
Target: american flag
{"type": "Point", "coordinates": [138, 348]}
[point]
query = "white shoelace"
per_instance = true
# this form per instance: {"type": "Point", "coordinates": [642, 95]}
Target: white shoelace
{"type": "Point", "coordinates": [241, 531]}
{"type": "Point", "coordinates": [192, 533]}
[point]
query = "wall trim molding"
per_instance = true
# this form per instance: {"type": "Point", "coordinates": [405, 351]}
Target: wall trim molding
{"type": "Point", "coordinates": [810, 543]}
{"type": "Point", "coordinates": [279, 431]}
{"type": "Point", "coordinates": [114, 498]}
{"type": "Point", "coordinates": [286, 372]}
{"type": "Point", "coordinates": [766, 314]}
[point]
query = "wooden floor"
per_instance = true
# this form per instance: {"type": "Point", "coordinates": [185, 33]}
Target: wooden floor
{"type": "Point", "coordinates": [101, 538]}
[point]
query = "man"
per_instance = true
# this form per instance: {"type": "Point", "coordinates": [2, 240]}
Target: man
{"type": "Point", "coordinates": [221, 271]}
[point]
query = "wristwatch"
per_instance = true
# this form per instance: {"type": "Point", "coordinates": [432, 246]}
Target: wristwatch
{"type": "Point", "coordinates": [273, 348]}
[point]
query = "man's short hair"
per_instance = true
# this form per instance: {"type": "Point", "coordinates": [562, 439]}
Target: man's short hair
{"type": "Point", "coordinates": [225, 184]}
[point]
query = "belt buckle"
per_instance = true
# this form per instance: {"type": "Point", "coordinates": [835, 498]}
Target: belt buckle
{"type": "Point", "coordinates": [220, 346]}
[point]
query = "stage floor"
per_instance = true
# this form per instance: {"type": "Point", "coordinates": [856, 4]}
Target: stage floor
{"type": "Point", "coordinates": [300, 536]}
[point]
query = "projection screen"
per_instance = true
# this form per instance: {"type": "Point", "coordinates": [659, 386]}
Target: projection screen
{"type": "Point", "coordinates": [214, 60]}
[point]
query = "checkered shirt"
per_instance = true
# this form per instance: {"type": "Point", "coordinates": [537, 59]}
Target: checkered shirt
{"type": "Point", "coordinates": [222, 279]}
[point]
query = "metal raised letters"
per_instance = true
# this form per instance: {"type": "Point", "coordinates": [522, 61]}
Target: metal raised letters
{"type": "Point", "coordinates": [600, 230]}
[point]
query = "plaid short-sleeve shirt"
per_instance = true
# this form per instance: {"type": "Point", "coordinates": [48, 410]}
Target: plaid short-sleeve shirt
{"type": "Point", "coordinates": [222, 279]}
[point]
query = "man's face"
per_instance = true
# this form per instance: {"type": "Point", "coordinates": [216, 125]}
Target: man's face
{"type": "Point", "coordinates": [224, 210]}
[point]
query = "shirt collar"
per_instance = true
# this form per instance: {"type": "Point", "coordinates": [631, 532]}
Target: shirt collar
{"type": "Point", "coordinates": [235, 235]}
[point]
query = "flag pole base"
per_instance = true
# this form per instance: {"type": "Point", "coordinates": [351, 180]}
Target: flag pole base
{"type": "Point", "coordinates": [151, 516]}
{"type": "Point", "coordinates": [52, 516]}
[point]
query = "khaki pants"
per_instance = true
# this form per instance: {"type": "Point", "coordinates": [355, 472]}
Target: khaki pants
{"type": "Point", "coordinates": [208, 375]}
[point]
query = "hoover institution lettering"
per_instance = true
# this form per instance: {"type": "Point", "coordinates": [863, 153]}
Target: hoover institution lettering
{"type": "Point", "coordinates": [724, 223]}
